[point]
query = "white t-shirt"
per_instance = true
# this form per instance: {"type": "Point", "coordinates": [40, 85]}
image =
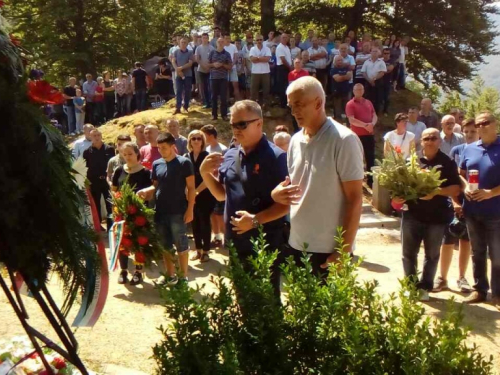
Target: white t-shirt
{"type": "Point", "coordinates": [232, 50]}
{"type": "Point", "coordinates": [334, 155]}
{"type": "Point", "coordinates": [295, 51]}
{"type": "Point", "coordinates": [320, 63]}
{"type": "Point", "coordinates": [219, 148]}
{"type": "Point", "coordinates": [260, 67]}
{"type": "Point", "coordinates": [284, 51]}
{"type": "Point", "coordinates": [372, 68]}
{"type": "Point", "coordinates": [402, 56]}
{"type": "Point", "coordinates": [417, 129]}
{"type": "Point", "coordinates": [403, 141]}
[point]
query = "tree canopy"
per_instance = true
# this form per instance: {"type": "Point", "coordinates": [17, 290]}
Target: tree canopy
{"type": "Point", "coordinates": [448, 39]}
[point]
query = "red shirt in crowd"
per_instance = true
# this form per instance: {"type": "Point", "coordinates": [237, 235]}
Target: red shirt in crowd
{"type": "Point", "coordinates": [296, 74]}
{"type": "Point", "coordinates": [148, 155]}
{"type": "Point", "coordinates": [361, 110]}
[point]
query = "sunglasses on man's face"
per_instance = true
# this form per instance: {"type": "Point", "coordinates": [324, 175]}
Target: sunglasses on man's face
{"type": "Point", "coordinates": [242, 125]}
{"type": "Point", "coordinates": [484, 123]}
{"type": "Point", "coordinates": [259, 40]}
{"type": "Point", "coordinates": [430, 139]}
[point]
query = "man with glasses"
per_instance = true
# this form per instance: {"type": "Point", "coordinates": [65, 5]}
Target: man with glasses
{"type": "Point", "coordinates": [450, 139]}
{"type": "Point", "coordinates": [428, 217]}
{"type": "Point", "coordinates": [261, 78]}
{"type": "Point", "coordinates": [247, 175]}
{"type": "Point", "coordinates": [482, 207]}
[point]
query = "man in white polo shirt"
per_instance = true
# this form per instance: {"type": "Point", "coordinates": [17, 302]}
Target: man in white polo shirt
{"type": "Point", "coordinates": [284, 65]}
{"type": "Point", "coordinates": [318, 55]}
{"type": "Point", "coordinates": [261, 78]}
{"type": "Point", "coordinates": [373, 71]}
{"type": "Point", "coordinates": [324, 190]}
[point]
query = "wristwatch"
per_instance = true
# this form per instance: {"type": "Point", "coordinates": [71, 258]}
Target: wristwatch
{"type": "Point", "coordinates": [255, 222]}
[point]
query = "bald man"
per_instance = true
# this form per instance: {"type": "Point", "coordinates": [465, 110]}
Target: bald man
{"type": "Point", "coordinates": [427, 115]}
{"type": "Point", "coordinates": [323, 154]}
{"type": "Point", "coordinates": [282, 140]}
{"type": "Point", "coordinates": [428, 217]}
{"type": "Point", "coordinates": [449, 138]}
{"type": "Point", "coordinates": [150, 153]}
{"type": "Point", "coordinates": [181, 142]}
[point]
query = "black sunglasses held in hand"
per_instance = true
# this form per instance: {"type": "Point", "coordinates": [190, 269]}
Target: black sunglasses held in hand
{"type": "Point", "coordinates": [242, 125]}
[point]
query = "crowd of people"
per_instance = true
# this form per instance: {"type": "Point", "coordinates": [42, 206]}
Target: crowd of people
{"type": "Point", "coordinates": [255, 68]}
{"type": "Point", "coordinates": [229, 192]}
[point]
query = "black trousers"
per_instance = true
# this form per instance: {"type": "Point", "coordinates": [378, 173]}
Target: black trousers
{"type": "Point", "coordinates": [322, 76]}
{"type": "Point", "coordinates": [90, 113]}
{"type": "Point", "coordinates": [282, 76]}
{"type": "Point", "coordinates": [109, 102]}
{"type": "Point", "coordinates": [202, 228]}
{"type": "Point", "coordinates": [316, 260]}
{"type": "Point", "coordinates": [368, 142]}
{"type": "Point", "coordinates": [375, 93]}
{"type": "Point", "coordinates": [386, 94]}
{"type": "Point", "coordinates": [205, 82]}
{"type": "Point", "coordinates": [100, 188]}
{"type": "Point", "coordinates": [219, 89]}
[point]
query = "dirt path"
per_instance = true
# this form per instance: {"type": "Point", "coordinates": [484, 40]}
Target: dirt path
{"type": "Point", "coordinates": [128, 327]}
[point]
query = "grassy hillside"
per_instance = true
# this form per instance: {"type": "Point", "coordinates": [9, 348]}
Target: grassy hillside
{"type": "Point", "coordinates": [197, 117]}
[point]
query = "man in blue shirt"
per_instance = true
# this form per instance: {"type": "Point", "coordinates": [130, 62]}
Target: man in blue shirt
{"type": "Point", "coordinates": [220, 63]}
{"type": "Point", "coordinates": [89, 87]}
{"type": "Point", "coordinates": [341, 75]}
{"type": "Point", "coordinates": [171, 176]}
{"type": "Point", "coordinates": [247, 176]}
{"type": "Point", "coordinates": [482, 207]}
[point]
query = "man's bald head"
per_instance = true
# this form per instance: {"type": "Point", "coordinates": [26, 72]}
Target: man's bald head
{"type": "Point", "coordinates": [306, 87]}
{"type": "Point", "coordinates": [426, 104]}
{"type": "Point", "coordinates": [151, 133]}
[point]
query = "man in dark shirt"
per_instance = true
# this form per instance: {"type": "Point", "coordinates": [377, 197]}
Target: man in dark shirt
{"type": "Point", "coordinates": [69, 107]}
{"type": "Point", "coordinates": [220, 63]}
{"type": "Point", "coordinates": [97, 157]}
{"type": "Point", "coordinates": [387, 79]}
{"type": "Point", "coordinates": [341, 75]}
{"type": "Point", "coordinates": [172, 175]}
{"type": "Point", "coordinates": [247, 176]}
{"type": "Point", "coordinates": [140, 85]}
{"type": "Point", "coordinates": [427, 218]}
{"type": "Point", "coordinates": [427, 114]}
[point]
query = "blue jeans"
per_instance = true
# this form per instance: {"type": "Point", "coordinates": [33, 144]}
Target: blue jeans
{"type": "Point", "coordinates": [413, 232]}
{"type": "Point", "coordinates": [484, 235]}
{"type": "Point", "coordinates": [70, 114]}
{"type": "Point", "coordinates": [140, 99]}
{"type": "Point", "coordinates": [183, 91]}
{"type": "Point", "coordinates": [172, 231]}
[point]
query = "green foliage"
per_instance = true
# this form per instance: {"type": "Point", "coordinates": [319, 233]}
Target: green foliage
{"type": "Point", "coordinates": [338, 327]}
{"type": "Point", "coordinates": [481, 98]}
{"type": "Point", "coordinates": [451, 100]}
{"type": "Point", "coordinates": [430, 91]}
{"type": "Point", "coordinates": [40, 228]}
{"type": "Point", "coordinates": [406, 179]}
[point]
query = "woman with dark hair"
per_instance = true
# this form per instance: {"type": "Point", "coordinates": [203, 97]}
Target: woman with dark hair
{"type": "Point", "coordinates": [138, 178]}
{"type": "Point", "coordinates": [163, 80]}
{"type": "Point", "coordinates": [205, 201]}
{"type": "Point", "coordinates": [392, 39]}
{"type": "Point", "coordinates": [109, 96]}
{"type": "Point", "coordinates": [395, 53]}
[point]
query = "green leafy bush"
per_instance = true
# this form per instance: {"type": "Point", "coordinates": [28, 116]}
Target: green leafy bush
{"type": "Point", "coordinates": [340, 327]}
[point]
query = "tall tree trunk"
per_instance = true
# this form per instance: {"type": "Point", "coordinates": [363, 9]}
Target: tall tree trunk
{"type": "Point", "coordinates": [85, 64]}
{"type": "Point", "coordinates": [222, 14]}
{"type": "Point", "coordinates": [355, 16]}
{"type": "Point", "coordinates": [267, 18]}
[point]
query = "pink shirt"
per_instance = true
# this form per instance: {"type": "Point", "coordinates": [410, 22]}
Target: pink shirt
{"type": "Point", "coordinates": [361, 110]}
{"type": "Point", "coordinates": [148, 155]}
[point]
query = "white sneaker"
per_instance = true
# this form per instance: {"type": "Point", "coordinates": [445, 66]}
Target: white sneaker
{"type": "Point", "coordinates": [72, 134]}
{"type": "Point", "coordinates": [423, 295]}
{"type": "Point", "coordinates": [343, 117]}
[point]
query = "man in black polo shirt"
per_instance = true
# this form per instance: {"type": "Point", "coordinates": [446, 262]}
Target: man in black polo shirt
{"type": "Point", "coordinates": [427, 218]}
{"type": "Point", "coordinates": [97, 157]}
{"type": "Point", "coordinates": [247, 176]}
{"type": "Point", "coordinates": [140, 85]}
{"type": "Point", "coordinates": [69, 107]}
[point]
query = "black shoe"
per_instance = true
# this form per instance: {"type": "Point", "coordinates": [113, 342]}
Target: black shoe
{"type": "Point", "coordinates": [224, 118]}
{"type": "Point", "coordinates": [136, 279]}
{"type": "Point", "coordinates": [206, 106]}
{"type": "Point", "coordinates": [123, 278]}
{"type": "Point", "coordinates": [177, 112]}
{"type": "Point", "coordinates": [214, 118]}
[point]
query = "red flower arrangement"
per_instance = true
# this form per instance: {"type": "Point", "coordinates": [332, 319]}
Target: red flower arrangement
{"type": "Point", "coordinates": [42, 92]}
{"type": "Point", "coordinates": [139, 234]}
